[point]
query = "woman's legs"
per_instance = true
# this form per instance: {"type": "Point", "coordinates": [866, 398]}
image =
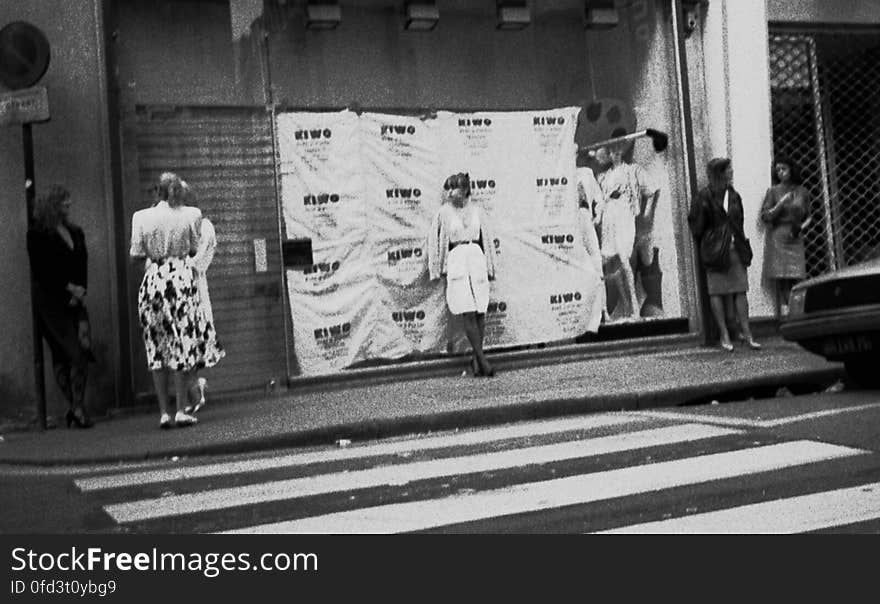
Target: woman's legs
{"type": "Point", "coordinates": [474, 336]}
{"type": "Point", "coordinates": [716, 302]}
{"type": "Point", "coordinates": [196, 398]}
{"type": "Point", "coordinates": [71, 380]}
{"type": "Point", "coordinates": [783, 291]}
{"type": "Point", "coordinates": [160, 383]}
{"type": "Point", "coordinates": [742, 310]}
{"type": "Point", "coordinates": [481, 326]}
{"type": "Point", "coordinates": [78, 376]}
{"type": "Point", "coordinates": [181, 381]}
{"type": "Point", "coordinates": [62, 378]}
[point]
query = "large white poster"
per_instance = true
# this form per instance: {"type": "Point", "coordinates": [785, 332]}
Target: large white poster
{"type": "Point", "coordinates": [369, 296]}
{"type": "Point", "coordinates": [321, 175]}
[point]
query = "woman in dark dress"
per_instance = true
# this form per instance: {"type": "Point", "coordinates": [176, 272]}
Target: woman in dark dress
{"type": "Point", "coordinates": [785, 210]}
{"type": "Point", "coordinates": [59, 263]}
{"type": "Point", "coordinates": [716, 211]}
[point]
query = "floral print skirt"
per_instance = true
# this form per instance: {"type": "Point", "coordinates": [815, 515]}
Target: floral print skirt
{"type": "Point", "coordinates": [177, 334]}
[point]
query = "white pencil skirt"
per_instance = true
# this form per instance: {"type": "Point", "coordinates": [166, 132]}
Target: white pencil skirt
{"type": "Point", "coordinates": [467, 280]}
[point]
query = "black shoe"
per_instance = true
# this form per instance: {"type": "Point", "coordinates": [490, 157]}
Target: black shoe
{"type": "Point", "coordinates": [475, 368]}
{"type": "Point", "coordinates": [80, 419]}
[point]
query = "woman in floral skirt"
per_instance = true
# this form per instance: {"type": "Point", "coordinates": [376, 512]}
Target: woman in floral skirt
{"type": "Point", "coordinates": [177, 337]}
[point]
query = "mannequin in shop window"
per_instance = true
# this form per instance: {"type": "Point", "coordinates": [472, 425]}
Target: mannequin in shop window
{"type": "Point", "coordinates": [625, 195]}
{"type": "Point", "coordinates": [645, 260]}
{"type": "Point", "coordinates": [589, 198]}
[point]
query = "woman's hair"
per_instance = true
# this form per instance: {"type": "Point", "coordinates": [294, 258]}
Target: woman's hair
{"type": "Point", "coordinates": [793, 169]}
{"type": "Point", "coordinates": [715, 170]}
{"type": "Point", "coordinates": [47, 209]}
{"type": "Point", "coordinates": [189, 196]}
{"type": "Point", "coordinates": [461, 180]}
{"type": "Point", "coordinates": [166, 183]}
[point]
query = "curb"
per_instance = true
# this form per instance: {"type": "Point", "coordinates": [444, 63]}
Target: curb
{"type": "Point", "coordinates": [450, 420]}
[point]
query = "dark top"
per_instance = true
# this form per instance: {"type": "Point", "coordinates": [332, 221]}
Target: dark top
{"type": "Point", "coordinates": [707, 212]}
{"type": "Point", "coordinates": [54, 264]}
{"type": "Point", "coordinates": [793, 209]}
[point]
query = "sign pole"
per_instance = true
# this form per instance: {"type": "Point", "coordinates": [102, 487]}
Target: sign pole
{"type": "Point", "coordinates": [29, 189]}
{"type": "Point", "coordinates": [24, 59]}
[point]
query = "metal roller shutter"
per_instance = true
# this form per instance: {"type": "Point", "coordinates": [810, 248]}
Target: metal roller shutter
{"type": "Point", "coordinates": [226, 155]}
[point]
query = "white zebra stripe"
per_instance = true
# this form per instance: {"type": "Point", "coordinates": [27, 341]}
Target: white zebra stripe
{"type": "Point", "coordinates": [791, 515]}
{"type": "Point", "coordinates": [532, 497]}
{"type": "Point", "coordinates": [400, 474]}
{"type": "Point", "coordinates": [474, 437]}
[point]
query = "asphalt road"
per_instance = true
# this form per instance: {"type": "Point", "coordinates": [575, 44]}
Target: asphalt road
{"type": "Point", "coordinates": [788, 464]}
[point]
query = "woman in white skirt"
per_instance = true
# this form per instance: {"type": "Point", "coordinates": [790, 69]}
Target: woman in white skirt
{"type": "Point", "coordinates": [461, 248]}
{"type": "Point", "coordinates": [177, 338]}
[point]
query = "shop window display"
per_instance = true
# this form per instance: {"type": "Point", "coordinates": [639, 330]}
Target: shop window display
{"type": "Point", "coordinates": [614, 81]}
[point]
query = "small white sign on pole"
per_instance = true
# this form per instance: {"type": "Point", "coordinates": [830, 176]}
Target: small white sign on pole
{"type": "Point", "coordinates": [24, 106]}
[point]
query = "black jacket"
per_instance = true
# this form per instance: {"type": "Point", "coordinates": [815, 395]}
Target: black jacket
{"type": "Point", "coordinates": [54, 265]}
{"type": "Point", "coordinates": [707, 213]}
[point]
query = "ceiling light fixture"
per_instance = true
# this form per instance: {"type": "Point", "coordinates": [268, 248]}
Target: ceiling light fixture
{"type": "Point", "coordinates": [323, 15]}
{"type": "Point", "coordinates": [600, 14]}
{"type": "Point", "coordinates": [513, 14]}
{"type": "Point", "coordinates": [421, 16]}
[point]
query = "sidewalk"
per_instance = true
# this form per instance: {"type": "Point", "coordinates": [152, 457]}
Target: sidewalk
{"type": "Point", "coordinates": [300, 417]}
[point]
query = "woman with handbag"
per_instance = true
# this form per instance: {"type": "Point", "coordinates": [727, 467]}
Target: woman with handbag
{"type": "Point", "coordinates": [59, 263]}
{"type": "Point", "coordinates": [716, 220]}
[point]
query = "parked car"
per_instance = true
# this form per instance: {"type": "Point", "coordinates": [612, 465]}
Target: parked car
{"type": "Point", "coordinates": [837, 316]}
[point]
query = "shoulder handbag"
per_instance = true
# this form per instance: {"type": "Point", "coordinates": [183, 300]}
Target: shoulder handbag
{"type": "Point", "coordinates": [741, 243]}
{"type": "Point", "coordinates": [744, 249]}
{"type": "Point", "coordinates": [715, 247]}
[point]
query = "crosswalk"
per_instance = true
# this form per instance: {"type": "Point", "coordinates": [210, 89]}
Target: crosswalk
{"type": "Point", "coordinates": [624, 472]}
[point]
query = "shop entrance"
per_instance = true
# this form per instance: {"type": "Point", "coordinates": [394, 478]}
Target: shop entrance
{"type": "Point", "coordinates": [226, 156]}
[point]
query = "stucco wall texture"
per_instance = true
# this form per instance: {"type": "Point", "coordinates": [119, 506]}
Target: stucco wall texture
{"type": "Point", "coordinates": [69, 150]}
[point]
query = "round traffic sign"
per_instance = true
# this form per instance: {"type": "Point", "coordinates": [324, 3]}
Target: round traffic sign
{"type": "Point", "coordinates": [24, 55]}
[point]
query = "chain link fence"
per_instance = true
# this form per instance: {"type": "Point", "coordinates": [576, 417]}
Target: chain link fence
{"type": "Point", "coordinates": [825, 92]}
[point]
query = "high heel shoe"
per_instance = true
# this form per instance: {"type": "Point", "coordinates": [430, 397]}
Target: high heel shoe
{"type": "Point", "coordinates": [81, 420]}
{"type": "Point", "coordinates": [476, 371]}
{"type": "Point", "coordinates": [488, 370]}
{"type": "Point", "coordinates": [201, 384]}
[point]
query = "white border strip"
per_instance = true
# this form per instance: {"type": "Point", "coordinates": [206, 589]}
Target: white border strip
{"type": "Point", "coordinates": [740, 422]}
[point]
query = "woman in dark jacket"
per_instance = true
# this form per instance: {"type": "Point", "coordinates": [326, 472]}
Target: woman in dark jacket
{"type": "Point", "coordinates": [59, 263]}
{"type": "Point", "coordinates": [716, 219]}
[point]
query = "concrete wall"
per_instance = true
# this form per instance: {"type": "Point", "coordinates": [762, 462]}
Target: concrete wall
{"type": "Point", "coordinates": [738, 117]}
{"type": "Point", "coordinates": [70, 150]}
{"type": "Point", "coordinates": [856, 12]}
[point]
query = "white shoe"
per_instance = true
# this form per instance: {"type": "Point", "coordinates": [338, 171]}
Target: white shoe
{"type": "Point", "coordinates": [201, 384]}
{"type": "Point", "coordinates": [165, 421]}
{"type": "Point", "coordinates": [184, 419]}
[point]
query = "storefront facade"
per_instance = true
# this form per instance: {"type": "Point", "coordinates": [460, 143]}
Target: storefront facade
{"type": "Point", "coordinates": [218, 91]}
